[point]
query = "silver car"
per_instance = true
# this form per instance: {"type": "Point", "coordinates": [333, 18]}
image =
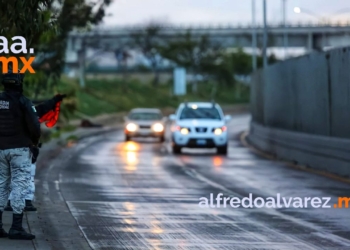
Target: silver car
{"type": "Point", "coordinates": [144, 122]}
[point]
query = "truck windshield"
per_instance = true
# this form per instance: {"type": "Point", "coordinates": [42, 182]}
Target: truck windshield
{"type": "Point", "coordinates": [200, 113]}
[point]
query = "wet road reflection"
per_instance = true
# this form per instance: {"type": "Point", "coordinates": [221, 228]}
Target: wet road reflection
{"type": "Point", "coordinates": [137, 195]}
{"type": "Point", "coordinates": [217, 161]}
{"type": "Point", "coordinates": [128, 151]}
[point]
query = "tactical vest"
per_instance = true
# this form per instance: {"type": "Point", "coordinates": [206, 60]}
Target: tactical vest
{"type": "Point", "coordinates": [13, 130]}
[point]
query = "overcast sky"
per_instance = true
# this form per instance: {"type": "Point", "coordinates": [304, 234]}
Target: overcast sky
{"type": "Point", "coordinates": [203, 12]}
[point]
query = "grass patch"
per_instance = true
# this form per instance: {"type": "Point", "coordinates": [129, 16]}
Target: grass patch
{"type": "Point", "coordinates": [56, 134]}
{"type": "Point", "coordinates": [68, 128]}
{"type": "Point", "coordinates": [112, 96]}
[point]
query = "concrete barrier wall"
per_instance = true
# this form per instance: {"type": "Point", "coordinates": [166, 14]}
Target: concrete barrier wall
{"type": "Point", "coordinates": [301, 110]}
{"type": "Point", "coordinates": [315, 151]}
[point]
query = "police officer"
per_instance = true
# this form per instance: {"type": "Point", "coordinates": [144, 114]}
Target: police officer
{"type": "Point", "coordinates": [29, 207]}
{"type": "Point", "coordinates": [42, 109]}
{"type": "Point", "coordinates": [19, 138]}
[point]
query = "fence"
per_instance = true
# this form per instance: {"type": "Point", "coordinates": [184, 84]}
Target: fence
{"type": "Point", "coordinates": [301, 110]}
{"type": "Point", "coordinates": [310, 94]}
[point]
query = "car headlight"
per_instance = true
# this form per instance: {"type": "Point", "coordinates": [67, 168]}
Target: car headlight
{"type": "Point", "coordinates": [184, 131]}
{"type": "Point", "coordinates": [158, 127]}
{"type": "Point", "coordinates": [131, 127]}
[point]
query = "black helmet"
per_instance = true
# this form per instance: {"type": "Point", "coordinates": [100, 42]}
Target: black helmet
{"type": "Point", "coordinates": [12, 80]}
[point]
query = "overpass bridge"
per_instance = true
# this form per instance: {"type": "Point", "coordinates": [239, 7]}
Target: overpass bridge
{"type": "Point", "coordinates": [310, 36]}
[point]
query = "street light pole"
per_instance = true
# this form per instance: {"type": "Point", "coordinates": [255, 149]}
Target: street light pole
{"type": "Point", "coordinates": [285, 38]}
{"type": "Point", "coordinates": [265, 37]}
{"type": "Point", "coordinates": [254, 39]}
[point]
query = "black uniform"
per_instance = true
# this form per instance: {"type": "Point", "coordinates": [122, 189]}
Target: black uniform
{"type": "Point", "coordinates": [19, 123]}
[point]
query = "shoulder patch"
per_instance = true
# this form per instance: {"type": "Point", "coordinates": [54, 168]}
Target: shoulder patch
{"type": "Point", "coordinates": [4, 105]}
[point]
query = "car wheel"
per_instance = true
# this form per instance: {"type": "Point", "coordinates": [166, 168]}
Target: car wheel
{"type": "Point", "coordinates": [127, 138]}
{"type": "Point", "coordinates": [176, 149]}
{"type": "Point", "coordinates": [222, 150]}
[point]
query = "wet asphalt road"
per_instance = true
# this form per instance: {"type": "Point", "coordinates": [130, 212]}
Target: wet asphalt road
{"type": "Point", "coordinates": [138, 195]}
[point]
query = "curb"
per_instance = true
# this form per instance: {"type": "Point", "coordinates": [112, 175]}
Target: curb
{"type": "Point", "coordinates": [244, 138]}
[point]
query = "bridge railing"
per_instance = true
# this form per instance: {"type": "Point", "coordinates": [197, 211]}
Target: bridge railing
{"type": "Point", "coordinates": [222, 26]}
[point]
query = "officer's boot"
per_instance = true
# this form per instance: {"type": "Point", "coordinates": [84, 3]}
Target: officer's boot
{"type": "Point", "coordinates": [3, 233]}
{"type": "Point", "coordinates": [29, 206]}
{"type": "Point", "coordinates": [8, 206]}
{"type": "Point", "coordinates": [17, 232]}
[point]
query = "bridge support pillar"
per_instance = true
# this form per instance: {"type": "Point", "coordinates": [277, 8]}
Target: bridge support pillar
{"type": "Point", "coordinates": [69, 44]}
{"type": "Point", "coordinates": [81, 61]}
{"type": "Point", "coordinates": [310, 43]}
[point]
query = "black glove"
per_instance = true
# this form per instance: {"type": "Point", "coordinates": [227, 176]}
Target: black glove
{"type": "Point", "coordinates": [35, 151]}
{"type": "Point", "coordinates": [59, 98]}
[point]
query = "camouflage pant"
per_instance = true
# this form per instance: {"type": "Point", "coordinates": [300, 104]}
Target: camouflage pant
{"type": "Point", "coordinates": [31, 189]}
{"type": "Point", "coordinates": [15, 166]}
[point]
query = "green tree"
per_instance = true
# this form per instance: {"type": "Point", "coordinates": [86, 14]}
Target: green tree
{"type": "Point", "coordinates": [201, 57]}
{"type": "Point", "coordinates": [197, 56]}
{"type": "Point", "coordinates": [227, 65]}
{"type": "Point", "coordinates": [71, 14]}
{"type": "Point", "coordinates": [234, 63]}
{"type": "Point", "coordinates": [46, 24]}
{"type": "Point", "coordinates": [29, 19]}
{"type": "Point", "coordinates": [149, 42]}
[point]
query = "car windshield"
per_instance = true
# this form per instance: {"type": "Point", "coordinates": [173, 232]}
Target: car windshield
{"type": "Point", "coordinates": [145, 116]}
{"type": "Point", "coordinates": [200, 113]}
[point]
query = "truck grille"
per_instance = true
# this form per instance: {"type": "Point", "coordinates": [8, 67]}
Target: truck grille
{"type": "Point", "coordinates": [201, 130]}
{"type": "Point", "coordinates": [192, 143]}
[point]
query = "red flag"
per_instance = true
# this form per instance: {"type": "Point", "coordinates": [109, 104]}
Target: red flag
{"type": "Point", "coordinates": [51, 117]}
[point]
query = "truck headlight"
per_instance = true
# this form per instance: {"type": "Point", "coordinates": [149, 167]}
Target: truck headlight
{"type": "Point", "coordinates": [184, 131]}
{"type": "Point", "coordinates": [158, 127]}
{"type": "Point", "coordinates": [219, 131]}
{"type": "Point", "coordinates": [131, 127]}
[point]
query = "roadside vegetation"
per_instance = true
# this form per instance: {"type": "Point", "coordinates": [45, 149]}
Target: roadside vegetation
{"type": "Point", "coordinates": [115, 95]}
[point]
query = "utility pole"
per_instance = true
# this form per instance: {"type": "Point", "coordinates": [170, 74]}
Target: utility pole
{"type": "Point", "coordinates": [285, 38]}
{"type": "Point", "coordinates": [265, 37]}
{"type": "Point", "coordinates": [254, 39]}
